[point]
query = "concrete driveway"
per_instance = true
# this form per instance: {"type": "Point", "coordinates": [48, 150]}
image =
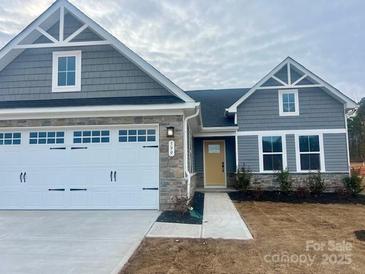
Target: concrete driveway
{"type": "Point", "coordinates": [70, 241]}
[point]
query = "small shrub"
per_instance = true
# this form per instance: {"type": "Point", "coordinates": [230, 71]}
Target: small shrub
{"type": "Point", "coordinates": [285, 182]}
{"type": "Point", "coordinates": [182, 204]}
{"type": "Point", "coordinates": [353, 183]}
{"type": "Point", "coordinates": [316, 183]}
{"type": "Point", "coordinates": [243, 179]}
{"type": "Point", "coordinates": [302, 192]}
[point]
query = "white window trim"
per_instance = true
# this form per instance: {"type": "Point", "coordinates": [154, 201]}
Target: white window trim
{"type": "Point", "coordinates": [296, 96]}
{"type": "Point", "coordinates": [321, 153]}
{"type": "Point", "coordinates": [261, 154]}
{"type": "Point", "coordinates": [77, 86]}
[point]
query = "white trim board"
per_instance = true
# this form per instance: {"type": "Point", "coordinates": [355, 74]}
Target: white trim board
{"type": "Point", "coordinates": [261, 153]}
{"type": "Point", "coordinates": [281, 93]}
{"type": "Point", "coordinates": [321, 154]}
{"type": "Point", "coordinates": [95, 111]}
{"type": "Point", "coordinates": [11, 50]}
{"type": "Point", "coordinates": [81, 126]}
{"type": "Point", "coordinates": [216, 131]}
{"type": "Point", "coordinates": [292, 131]}
{"type": "Point", "coordinates": [215, 134]}
{"type": "Point", "coordinates": [348, 102]}
{"type": "Point", "coordinates": [55, 73]}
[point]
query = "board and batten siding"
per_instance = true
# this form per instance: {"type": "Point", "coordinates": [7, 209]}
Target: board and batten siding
{"type": "Point", "coordinates": [317, 110]}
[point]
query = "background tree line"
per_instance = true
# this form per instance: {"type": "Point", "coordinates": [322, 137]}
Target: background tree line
{"type": "Point", "coordinates": [356, 128]}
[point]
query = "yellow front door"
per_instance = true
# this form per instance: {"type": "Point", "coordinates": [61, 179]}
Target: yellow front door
{"type": "Point", "coordinates": [214, 163]}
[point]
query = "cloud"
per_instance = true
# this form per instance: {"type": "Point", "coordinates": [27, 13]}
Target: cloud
{"type": "Point", "coordinates": [232, 43]}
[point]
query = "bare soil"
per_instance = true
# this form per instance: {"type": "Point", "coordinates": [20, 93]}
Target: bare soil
{"type": "Point", "coordinates": [279, 229]}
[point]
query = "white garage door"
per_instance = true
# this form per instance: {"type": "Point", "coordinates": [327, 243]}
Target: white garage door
{"type": "Point", "coordinates": [80, 168]}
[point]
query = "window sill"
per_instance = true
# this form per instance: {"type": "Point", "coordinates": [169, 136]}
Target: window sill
{"type": "Point", "coordinates": [285, 114]}
{"type": "Point", "coordinates": [73, 89]}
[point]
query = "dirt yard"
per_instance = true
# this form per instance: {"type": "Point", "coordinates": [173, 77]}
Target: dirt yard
{"type": "Point", "coordinates": [281, 233]}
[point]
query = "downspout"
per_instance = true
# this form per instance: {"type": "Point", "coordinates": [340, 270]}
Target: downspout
{"type": "Point", "coordinates": [186, 150]}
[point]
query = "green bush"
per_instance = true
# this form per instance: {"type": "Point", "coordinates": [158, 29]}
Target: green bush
{"type": "Point", "coordinates": [316, 183]}
{"type": "Point", "coordinates": [243, 179]}
{"type": "Point", "coordinates": [353, 183]}
{"type": "Point", "coordinates": [285, 182]}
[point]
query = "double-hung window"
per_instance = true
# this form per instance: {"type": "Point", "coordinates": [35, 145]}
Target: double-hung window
{"type": "Point", "coordinates": [66, 71]}
{"type": "Point", "coordinates": [310, 152]}
{"type": "Point", "coordinates": [288, 103]}
{"type": "Point", "coordinates": [272, 153]}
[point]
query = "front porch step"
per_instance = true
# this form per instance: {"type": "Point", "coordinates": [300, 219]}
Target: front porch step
{"type": "Point", "coordinates": [215, 190]}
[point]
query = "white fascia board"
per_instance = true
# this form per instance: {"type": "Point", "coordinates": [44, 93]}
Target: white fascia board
{"type": "Point", "coordinates": [348, 102]}
{"type": "Point", "coordinates": [127, 52]}
{"type": "Point", "coordinates": [95, 111]}
{"type": "Point", "coordinates": [215, 134]}
{"type": "Point", "coordinates": [216, 131]}
{"type": "Point", "coordinates": [292, 131]}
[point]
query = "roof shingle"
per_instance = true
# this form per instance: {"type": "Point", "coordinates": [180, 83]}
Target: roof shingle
{"type": "Point", "coordinates": [214, 103]}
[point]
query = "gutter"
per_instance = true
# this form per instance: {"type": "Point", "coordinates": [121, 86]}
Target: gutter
{"type": "Point", "coordinates": [188, 175]}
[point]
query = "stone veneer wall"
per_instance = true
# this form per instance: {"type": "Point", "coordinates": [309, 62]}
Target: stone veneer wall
{"type": "Point", "coordinates": [172, 182]}
{"type": "Point", "coordinates": [268, 181]}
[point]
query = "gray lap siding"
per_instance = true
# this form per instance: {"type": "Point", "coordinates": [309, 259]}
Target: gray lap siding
{"type": "Point", "coordinates": [317, 110]}
{"type": "Point", "coordinates": [105, 73]}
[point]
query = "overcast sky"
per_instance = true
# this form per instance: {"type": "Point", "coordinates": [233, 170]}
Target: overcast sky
{"type": "Point", "coordinates": [225, 43]}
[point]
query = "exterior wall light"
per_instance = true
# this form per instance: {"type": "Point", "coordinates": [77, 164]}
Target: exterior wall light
{"type": "Point", "coordinates": [170, 132]}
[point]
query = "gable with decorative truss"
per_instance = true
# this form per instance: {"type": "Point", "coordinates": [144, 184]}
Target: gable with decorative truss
{"type": "Point", "coordinates": [289, 74]}
{"type": "Point", "coordinates": [63, 26]}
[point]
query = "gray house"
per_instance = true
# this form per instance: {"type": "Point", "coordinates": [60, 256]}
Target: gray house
{"type": "Point", "coordinates": [85, 123]}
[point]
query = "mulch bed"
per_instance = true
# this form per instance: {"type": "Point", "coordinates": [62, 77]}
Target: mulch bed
{"type": "Point", "coordinates": [277, 196]}
{"type": "Point", "coordinates": [194, 216]}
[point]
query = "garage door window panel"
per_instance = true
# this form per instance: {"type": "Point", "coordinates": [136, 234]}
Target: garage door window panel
{"type": "Point", "coordinates": [10, 138]}
{"type": "Point", "coordinates": [46, 137]}
{"type": "Point", "coordinates": [137, 135]}
{"type": "Point", "coordinates": [91, 136]}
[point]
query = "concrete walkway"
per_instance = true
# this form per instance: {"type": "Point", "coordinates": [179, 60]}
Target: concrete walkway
{"type": "Point", "coordinates": [221, 221]}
